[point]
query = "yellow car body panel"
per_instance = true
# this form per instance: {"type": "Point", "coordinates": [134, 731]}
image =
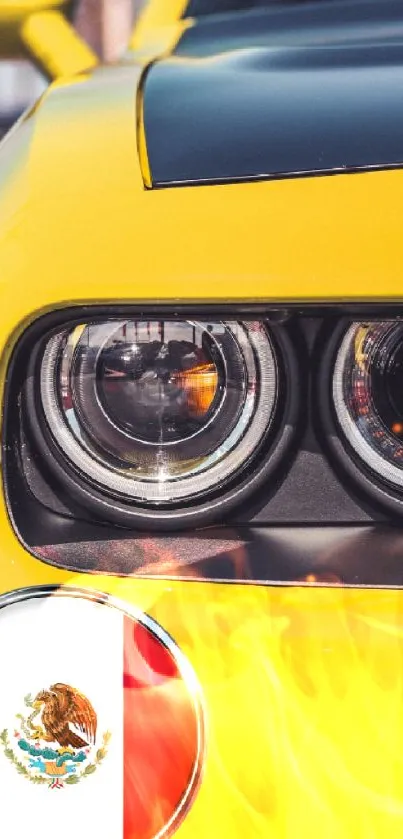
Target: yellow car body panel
{"type": "Point", "coordinates": [80, 203]}
{"type": "Point", "coordinates": [13, 14]}
{"type": "Point", "coordinates": [302, 685]}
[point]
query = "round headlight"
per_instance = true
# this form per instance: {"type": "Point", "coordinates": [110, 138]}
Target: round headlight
{"type": "Point", "coordinates": [156, 412]}
{"type": "Point", "coordinates": [368, 396]}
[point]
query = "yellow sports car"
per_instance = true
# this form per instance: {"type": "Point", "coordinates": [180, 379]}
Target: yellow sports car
{"type": "Point", "coordinates": [201, 514]}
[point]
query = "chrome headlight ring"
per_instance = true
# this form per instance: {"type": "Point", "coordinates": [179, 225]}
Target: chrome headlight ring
{"type": "Point", "coordinates": [358, 401]}
{"type": "Point", "coordinates": [206, 465]}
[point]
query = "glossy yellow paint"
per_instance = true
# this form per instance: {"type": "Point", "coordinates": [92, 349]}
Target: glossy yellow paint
{"type": "Point", "coordinates": [77, 225]}
{"type": "Point", "coordinates": [12, 14]}
{"type": "Point", "coordinates": [16, 10]}
{"type": "Point", "coordinates": [302, 686]}
{"type": "Point", "coordinates": [159, 22]}
{"type": "Point", "coordinates": [53, 41]}
{"type": "Point", "coordinates": [144, 162]}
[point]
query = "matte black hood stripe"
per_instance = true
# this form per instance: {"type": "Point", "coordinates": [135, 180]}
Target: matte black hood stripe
{"type": "Point", "coordinates": [267, 112]}
{"type": "Point", "coordinates": [299, 24]}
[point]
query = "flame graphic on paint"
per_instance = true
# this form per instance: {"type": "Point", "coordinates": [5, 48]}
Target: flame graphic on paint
{"type": "Point", "coordinates": [304, 690]}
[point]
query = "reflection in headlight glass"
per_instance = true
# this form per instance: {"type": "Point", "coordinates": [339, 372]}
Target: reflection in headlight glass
{"type": "Point", "coordinates": [368, 395]}
{"type": "Point", "coordinates": [159, 410]}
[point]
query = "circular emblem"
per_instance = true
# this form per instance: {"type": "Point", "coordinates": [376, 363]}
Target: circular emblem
{"type": "Point", "coordinates": [53, 752]}
{"type": "Point", "coordinates": [97, 702]}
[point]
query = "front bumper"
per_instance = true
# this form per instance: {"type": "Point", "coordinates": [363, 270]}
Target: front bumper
{"type": "Point", "coordinates": [301, 683]}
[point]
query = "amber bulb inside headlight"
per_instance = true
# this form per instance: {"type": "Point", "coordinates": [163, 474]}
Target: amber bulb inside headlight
{"type": "Point", "coordinates": [200, 386]}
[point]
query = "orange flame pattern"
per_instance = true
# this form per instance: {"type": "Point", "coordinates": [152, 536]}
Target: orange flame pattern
{"type": "Point", "coordinates": [303, 689]}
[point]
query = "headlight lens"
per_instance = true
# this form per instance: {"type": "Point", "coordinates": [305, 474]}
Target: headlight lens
{"type": "Point", "coordinates": [368, 395]}
{"type": "Point", "coordinates": [159, 411]}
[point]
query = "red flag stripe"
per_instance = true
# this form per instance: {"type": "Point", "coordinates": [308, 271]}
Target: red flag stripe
{"type": "Point", "coordinates": [161, 734]}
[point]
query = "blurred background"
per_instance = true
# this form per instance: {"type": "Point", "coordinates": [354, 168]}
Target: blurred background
{"type": "Point", "coordinates": [105, 24]}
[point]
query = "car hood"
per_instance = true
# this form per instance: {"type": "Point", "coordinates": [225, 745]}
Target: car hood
{"type": "Point", "coordinates": [78, 227]}
{"type": "Point", "coordinates": [315, 88]}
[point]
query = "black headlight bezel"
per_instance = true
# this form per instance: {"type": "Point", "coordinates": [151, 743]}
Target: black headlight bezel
{"type": "Point", "coordinates": [87, 499]}
{"type": "Point", "coordinates": [314, 499]}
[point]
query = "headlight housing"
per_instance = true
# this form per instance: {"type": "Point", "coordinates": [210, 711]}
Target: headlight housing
{"type": "Point", "coordinates": [363, 418]}
{"type": "Point", "coordinates": [368, 395]}
{"type": "Point", "coordinates": [159, 420]}
{"type": "Point", "coordinates": [129, 388]}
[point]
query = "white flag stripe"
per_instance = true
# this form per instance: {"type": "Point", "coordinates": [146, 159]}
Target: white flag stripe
{"type": "Point", "coordinates": [79, 643]}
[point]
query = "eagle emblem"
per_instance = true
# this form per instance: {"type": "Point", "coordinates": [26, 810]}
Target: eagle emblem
{"type": "Point", "coordinates": [56, 741]}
